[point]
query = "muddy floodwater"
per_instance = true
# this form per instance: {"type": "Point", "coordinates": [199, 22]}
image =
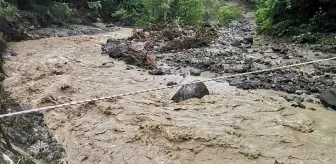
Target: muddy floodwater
{"type": "Point", "coordinates": [228, 126]}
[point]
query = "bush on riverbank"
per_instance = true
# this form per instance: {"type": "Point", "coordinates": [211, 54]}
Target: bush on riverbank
{"type": "Point", "coordinates": [6, 9]}
{"type": "Point", "coordinates": [288, 17]}
{"type": "Point", "coordinates": [180, 12]}
{"type": "Point", "coordinates": [229, 13]}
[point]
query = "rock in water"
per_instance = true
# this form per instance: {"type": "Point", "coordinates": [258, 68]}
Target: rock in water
{"type": "Point", "coordinates": [197, 90]}
{"type": "Point", "coordinates": [115, 48]}
{"type": "Point", "coordinates": [328, 98]}
{"type": "Point", "coordinates": [249, 39]}
{"type": "Point", "coordinates": [195, 72]}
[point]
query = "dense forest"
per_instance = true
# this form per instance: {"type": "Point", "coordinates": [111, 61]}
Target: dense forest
{"type": "Point", "coordinates": [275, 17]}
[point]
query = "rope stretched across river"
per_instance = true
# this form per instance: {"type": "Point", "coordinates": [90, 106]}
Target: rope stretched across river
{"type": "Point", "coordinates": [157, 89]}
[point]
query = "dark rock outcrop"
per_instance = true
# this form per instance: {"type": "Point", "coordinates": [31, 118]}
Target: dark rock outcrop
{"type": "Point", "coordinates": [328, 98]}
{"type": "Point", "coordinates": [11, 30]}
{"type": "Point", "coordinates": [197, 90]}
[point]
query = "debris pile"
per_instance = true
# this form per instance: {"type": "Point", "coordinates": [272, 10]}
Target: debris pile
{"type": "Point", "coordinates": [135, 53]}
{"type": "Point", "coordinates": [139, 49]}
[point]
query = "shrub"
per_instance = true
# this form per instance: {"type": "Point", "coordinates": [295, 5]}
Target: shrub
{"type": "Point", "coordinates": [145, 12]}
{"type": "Point", "coordinates": [211, 10]}
{"type": "Point", "coordinates": [6, 9]}
{"type": "Point", "coordinates": [288, 17]}
{"type": "Point", "coordinates": [181, 12]}
{"type": "Point", "coordinates": [190, 12]}
{"type": "Point", "coordinates": [95, 6]}
{"type": "Point", "coordinates": [57, 10]}
{"type": "Point", "coordinates": [229, 13]}
{"type": "Point", "coordinates": [109, 7]}
{"type": "Point", "coordinates": [262, 19]}
{"type": "Point", "coordinates": [61, 11]}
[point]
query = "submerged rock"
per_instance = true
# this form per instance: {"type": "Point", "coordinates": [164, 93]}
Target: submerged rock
{"type": "Point", "coordinates": [197, 90]}
{"type": "Point", "coordinates": [328, 98]}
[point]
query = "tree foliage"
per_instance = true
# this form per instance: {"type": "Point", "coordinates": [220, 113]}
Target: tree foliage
{"type": "Point", "coordinates": [288, 17]}
{"type": "Point", "coordinates": [186, 12]}
{"type": "Point", "coordinates": [141, 12]}
{"type": "Point", "coordinates": [7, 9]}
{"type": "Point", "coordinates": [229, 13]}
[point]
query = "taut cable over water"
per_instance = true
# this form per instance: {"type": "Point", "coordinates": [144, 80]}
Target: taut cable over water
{"type": "Point", "coordinates": [159, 88]}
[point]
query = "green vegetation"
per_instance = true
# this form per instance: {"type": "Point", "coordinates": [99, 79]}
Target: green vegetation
{"type": "Point", "coordinates": [290, 17]}
{"type": "Point", "coordinates": [182, 12]}
{"type": "Point", "coordinates": [185, 12]}
{"type": "Point", "coordinates": [62, 10]}
{"type": "Point", "coordinates": [6, 9]}
{"type": "Point", "coordinates": [229, 13]}
{"type": "Point", "coordinates": [138, 12]}
{"type": "Point", "coordinates": [211, 10]}
{"type": "Point", "coordinates": [273, 17]}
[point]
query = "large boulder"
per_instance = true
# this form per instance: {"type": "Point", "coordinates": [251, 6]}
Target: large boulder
{"type": "Point", "coordinates": [195, 72]}
{"type": "Point", "coordinates": [189, 91]}
{"type": "Point", "coordinates": [328, 98]}
{"type": "Point", "coordinates": [115, 48]}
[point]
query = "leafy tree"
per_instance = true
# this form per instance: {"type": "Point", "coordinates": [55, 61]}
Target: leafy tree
{"type": "Point", "coordinates": [229, 13]}
{"type": "Point", "coordinates": [6, 9]}
{"type": "Point", "coordinates": [287, 17]}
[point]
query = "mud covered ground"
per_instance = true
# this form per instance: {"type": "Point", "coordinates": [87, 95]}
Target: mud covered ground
{"type": "Point", "coordinates": [228, 126]}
